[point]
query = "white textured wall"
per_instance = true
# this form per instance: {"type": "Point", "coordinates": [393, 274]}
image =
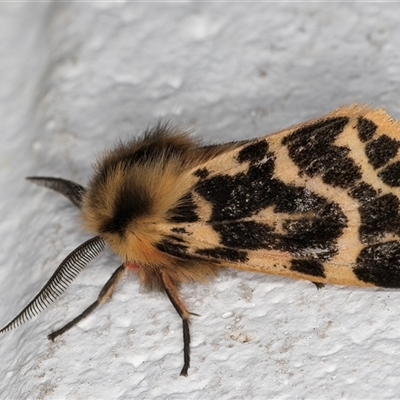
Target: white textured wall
{"type": "Point", "coordinates": [76, 77]}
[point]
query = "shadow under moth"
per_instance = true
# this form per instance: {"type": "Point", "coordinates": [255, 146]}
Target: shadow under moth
{"type": "Point", "coordinates": [318, 201]}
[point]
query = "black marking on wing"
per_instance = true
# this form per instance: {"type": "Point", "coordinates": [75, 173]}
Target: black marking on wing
{"type": "Point", "coordinates": [381, 150]}
{"type": "Point", "coordinates": [363, 192]}
{"type": "Point", "coordinates": [309, 267]}
{"type": "Point", "coordinates": [184, 257]}
{"type": "Point", "coordinates": [379, 264]}
{"type": "Point", "coordinates": [245, 194]}
{"type": "Point", "coordinates": [185, 211]}
{"type": "Point", "coordinates": [73, 191]}
{"type": "Point", "coordinates": [249, 235]}
{"type": "Point", "coordinates": [241, 195]}
{"type": "Point", "coordinates": [201, 173]}
{"type": "Point", "coordinates": [60, 280]}
{"type": "Point", "coordinates": [366, 129]}
{"type": "Point", "coordinates": [224, 253]}
{"type": "Point", "coordinates": [174, 249]}
{"type": "Point", "coordinates": [254, 152]}
{"type": "Point", "coordinates": [311, 148]}
{"type": "Point", "coordinates": [179, 230]}
{"type": "Point", "coordinates": [379, 214]}
{"type": "Point", "coordinates": [175, 238]}
{"type": "Point", "coordinates": [306, 237]}
{"type": "Point", "coordinates": [391, 174]}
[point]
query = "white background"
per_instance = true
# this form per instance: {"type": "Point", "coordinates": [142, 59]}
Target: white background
{"type": "Point", "coordinates": [74, 78]}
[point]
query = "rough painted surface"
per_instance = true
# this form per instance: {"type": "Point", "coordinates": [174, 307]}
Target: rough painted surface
{"type": "Point", "coordinates": [87, 75]}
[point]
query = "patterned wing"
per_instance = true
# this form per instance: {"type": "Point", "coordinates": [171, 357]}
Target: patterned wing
{"type": "Point", "coordinates": [318, 201]}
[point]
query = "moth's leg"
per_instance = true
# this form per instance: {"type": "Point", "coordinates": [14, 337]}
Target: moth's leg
{"type": "Point", "coordinates": [104, 295]}
{"type": "Point", "coordinates": [172, 293]}
{"type": "Point", "coordinates": [319, 285]}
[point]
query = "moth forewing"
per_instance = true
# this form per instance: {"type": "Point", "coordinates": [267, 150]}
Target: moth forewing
{"type": "Point", "coordinates": [318, 201]}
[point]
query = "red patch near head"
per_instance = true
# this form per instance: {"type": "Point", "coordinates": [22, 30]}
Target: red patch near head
{"type": "Point", "coordinates": [132, 265]}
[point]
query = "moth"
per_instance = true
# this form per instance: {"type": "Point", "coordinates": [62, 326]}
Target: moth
{"type": "Point", "coordinates": [318, 201]}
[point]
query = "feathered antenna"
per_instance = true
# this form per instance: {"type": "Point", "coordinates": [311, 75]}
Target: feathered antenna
{"type": "Point", "coordinates": [60, 280]}
{"type": "Point", "coordinates": [73, 191]}
{"type": "Point", "coordinates": [72, 264]}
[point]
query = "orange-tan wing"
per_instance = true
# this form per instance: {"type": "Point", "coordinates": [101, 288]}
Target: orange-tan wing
{"type": "Point", "coordinates": [317, 201]}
